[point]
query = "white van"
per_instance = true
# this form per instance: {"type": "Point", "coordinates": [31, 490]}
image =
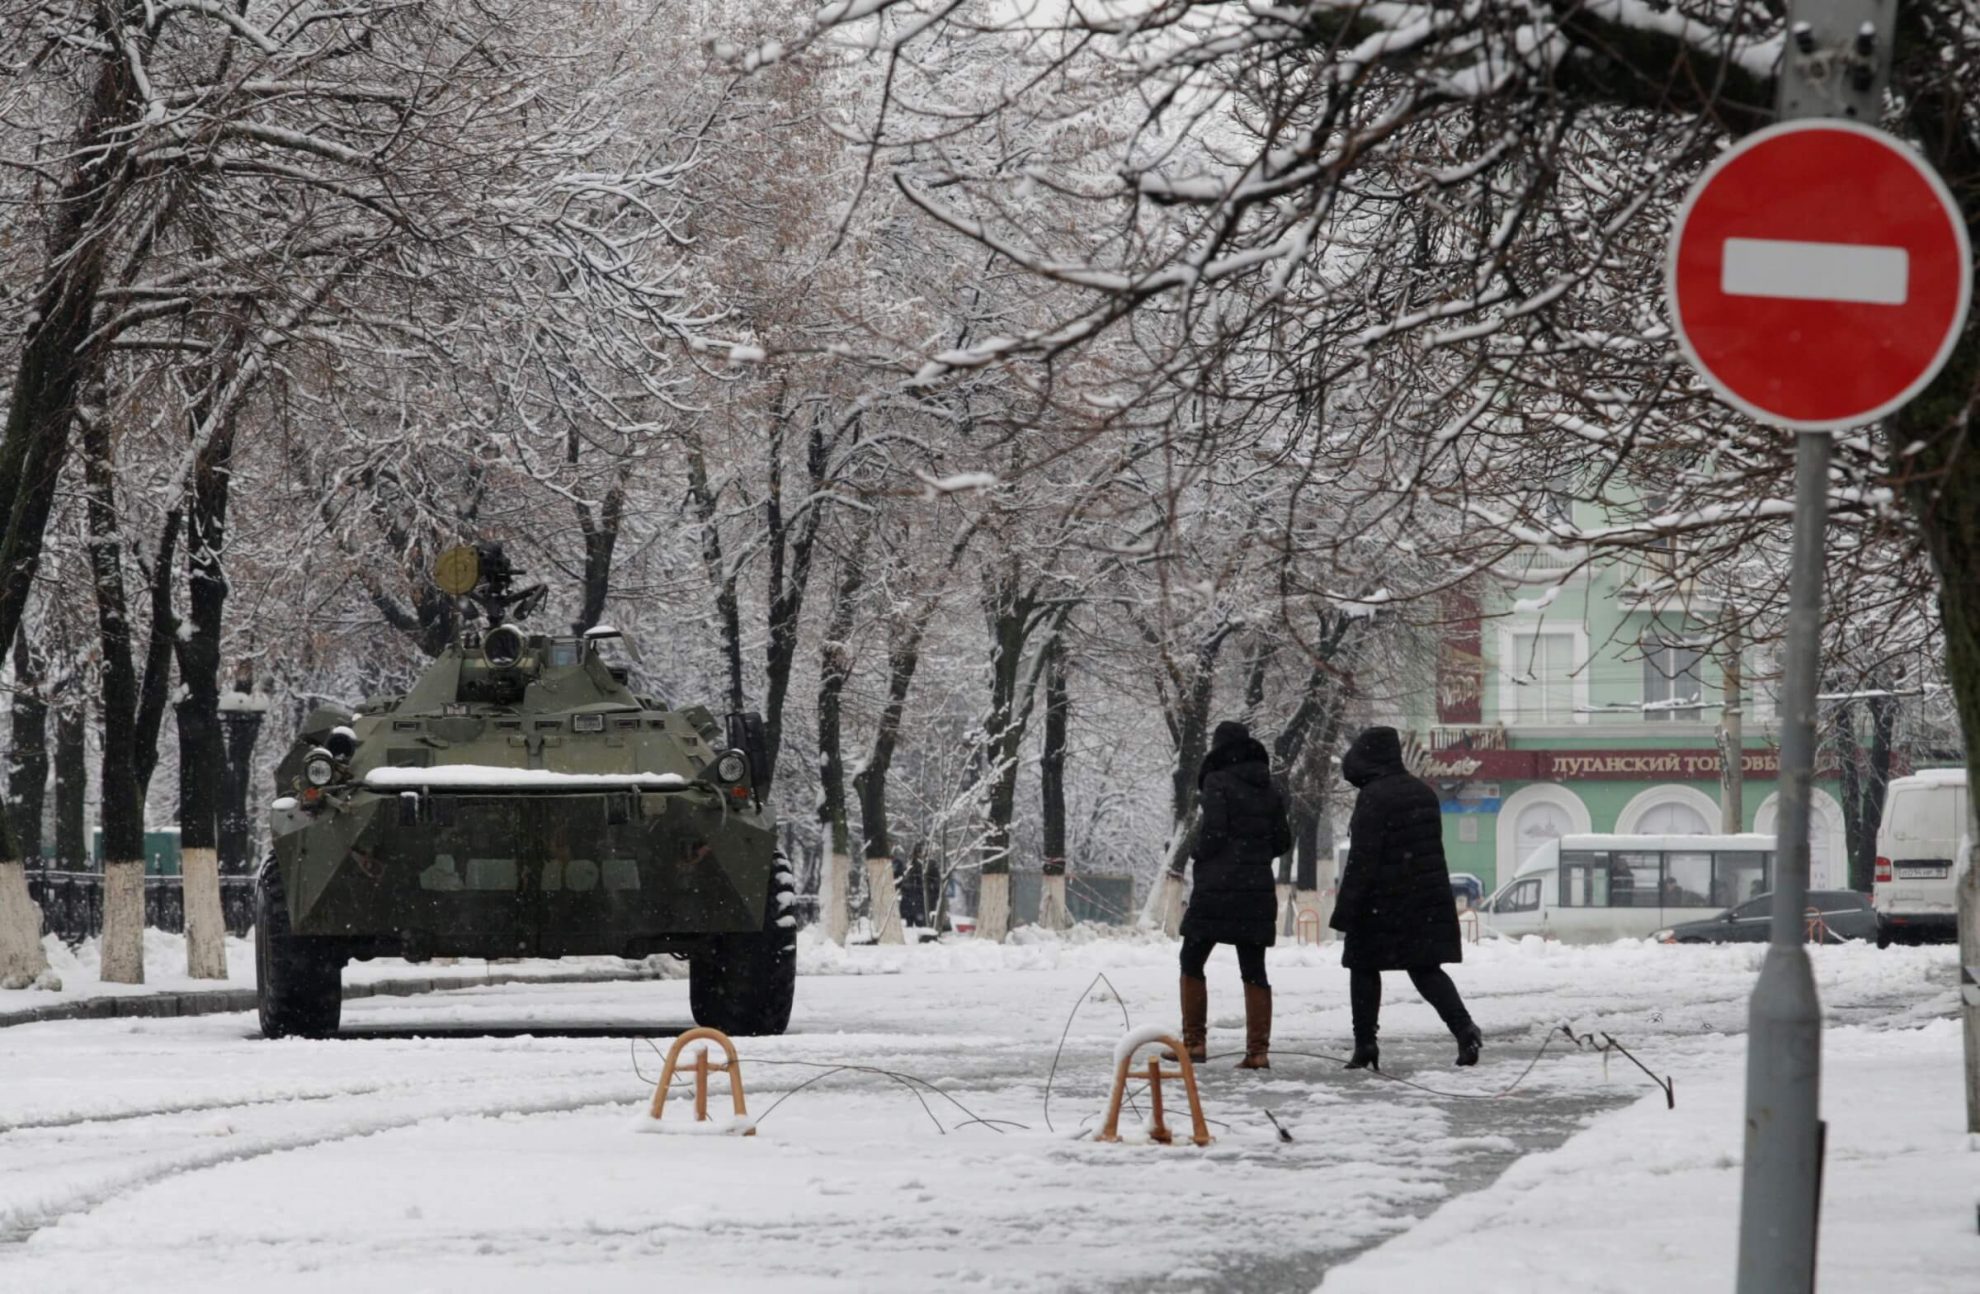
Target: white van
{"type": "Point", "coordinates": [1918, 859]}
{"type": "Point", "coordinates": [1591, 889]}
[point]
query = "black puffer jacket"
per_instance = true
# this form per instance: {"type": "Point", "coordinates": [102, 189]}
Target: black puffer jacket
{"type": "Point", "coordinates": [1242, 828]}
{"type": "Point", "coordinates": [1395, 901]}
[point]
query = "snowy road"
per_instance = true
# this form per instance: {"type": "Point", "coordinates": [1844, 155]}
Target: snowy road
{"type": "Point", "coordinates": [181, 1154]}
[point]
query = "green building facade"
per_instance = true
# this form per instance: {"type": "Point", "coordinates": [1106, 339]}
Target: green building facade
{"type": "Point", "coordinates": [1588, 700]}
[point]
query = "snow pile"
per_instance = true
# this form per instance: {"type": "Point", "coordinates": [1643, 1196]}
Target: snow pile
{"type": "Point", "coordinates": [1648, 1198]}
{"type": "Point", "coordinates": [683, 1125]}
{"type": "Point", "coordinates": [164, 969]}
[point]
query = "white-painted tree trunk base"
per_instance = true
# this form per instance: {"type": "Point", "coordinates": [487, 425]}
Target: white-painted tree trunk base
{"type": "Point", "coordinates": [122, 950]}
{"type": "Point", "coordinates": [23, 963]}
{"type": "Point", "coordinates": [993, 907]}
{"type": "Point", "coordinates": [1166, 905]}
{"type": "Point", "coordinates": [206, 923]}
{"type": "Point", "coordinates": [1052, 911]}
{"type": "Point", "coordinates": [1286, 910]}
{"type": "Point", "coordinates": [837, 898]}
{"type": "Point", "coordinates": [885, 897]}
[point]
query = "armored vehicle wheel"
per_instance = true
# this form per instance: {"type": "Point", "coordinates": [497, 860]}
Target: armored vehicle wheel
{"type": "Point", "coordinates": [299, 988]}
{"type": "Point", "coordinates": [743, 984]}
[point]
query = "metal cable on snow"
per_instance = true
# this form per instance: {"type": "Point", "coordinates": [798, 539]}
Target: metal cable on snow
{"type": "Point", "coordinates": [915, 1084]}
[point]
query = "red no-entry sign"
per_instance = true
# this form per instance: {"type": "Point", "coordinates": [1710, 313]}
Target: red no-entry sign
{"type": "Point", "coordinates": [1819, 274]}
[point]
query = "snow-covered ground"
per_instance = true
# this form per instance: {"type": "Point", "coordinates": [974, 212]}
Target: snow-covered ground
{"type": "Point", "coordinates": [487, 1139]}
{"type": "Point", "coordinates": [1648, 1198]}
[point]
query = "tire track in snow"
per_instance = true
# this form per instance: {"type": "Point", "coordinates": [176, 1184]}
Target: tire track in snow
{"type": "Point", "coordinates": [181, 1107]}
{"type": "Point", "coordinates": [19, 1223]}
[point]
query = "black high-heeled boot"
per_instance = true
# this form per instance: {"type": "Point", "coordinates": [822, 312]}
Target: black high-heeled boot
{"type": "Point", "coordinates": [1470, 1042]}
{"type": "Point", "coordinates": [1366, 1055]}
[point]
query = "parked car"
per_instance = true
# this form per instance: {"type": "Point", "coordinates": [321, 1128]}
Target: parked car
{"type": "Point", "coordinates": [1918, 860]}
{"type": "Point", "coordinates": [1846, 914]}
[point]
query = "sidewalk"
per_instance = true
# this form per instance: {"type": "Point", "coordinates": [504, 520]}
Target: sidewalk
{"type": "Point", "coordinates": [1648, 1198]}
{"type": "Point", "coordinates": [169, 991]}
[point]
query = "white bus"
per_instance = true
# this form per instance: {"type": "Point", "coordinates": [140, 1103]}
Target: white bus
{"type": "Point", "coordinates": [1591, 889]}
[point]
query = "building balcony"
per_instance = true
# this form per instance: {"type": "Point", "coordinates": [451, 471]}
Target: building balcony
{"type": "Point", "coordinates": [1547, 565]}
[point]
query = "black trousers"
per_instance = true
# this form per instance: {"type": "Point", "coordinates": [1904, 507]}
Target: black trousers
{"type": "Point", "coordinates": [1365, 999]}
{"type": "Point", "coordinates": [1251, 960]}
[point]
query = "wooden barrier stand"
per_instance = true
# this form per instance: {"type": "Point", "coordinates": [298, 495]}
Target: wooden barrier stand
{"type": "Point", "coordinates": [702, 1069]}
{"type": "Point", "coordinates": [1306, 927]}
{"type": "Point", "coordinates": [1818, 929]}
{"type": "Point", "coordinates": [1158, 1131]}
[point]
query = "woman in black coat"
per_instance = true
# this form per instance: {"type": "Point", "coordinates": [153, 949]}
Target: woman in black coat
{"type": "Point", "coordinates": [1395, 904]}
{"type": "Point", "coordinates": [1241, 829]}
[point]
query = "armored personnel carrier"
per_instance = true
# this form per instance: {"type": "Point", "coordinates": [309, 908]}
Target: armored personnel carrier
{"type": "Point", "coordinates": [520, 800]}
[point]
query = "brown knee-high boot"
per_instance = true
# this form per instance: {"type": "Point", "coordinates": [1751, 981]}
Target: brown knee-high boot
{"type": "Point", "coordinates": [1196, 1018]}
{"type": "Point", "coordinates": [1257, 1028]}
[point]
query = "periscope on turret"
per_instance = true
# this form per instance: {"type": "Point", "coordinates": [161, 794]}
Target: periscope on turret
{"type": "Point", "coordinates": [522, 799]}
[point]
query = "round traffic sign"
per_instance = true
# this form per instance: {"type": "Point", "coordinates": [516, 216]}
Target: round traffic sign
{"type": "Point", "coordinates": [1818, 274]}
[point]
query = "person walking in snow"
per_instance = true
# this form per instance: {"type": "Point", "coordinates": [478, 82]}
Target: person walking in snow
{"type": "Point", "coordinates": [1241, 829]}
{"type": "Point", "coordinates": [1395, 904]}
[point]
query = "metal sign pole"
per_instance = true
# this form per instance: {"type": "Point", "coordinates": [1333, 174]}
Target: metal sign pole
{"type": "Point", "coordinates": [1835, 64]}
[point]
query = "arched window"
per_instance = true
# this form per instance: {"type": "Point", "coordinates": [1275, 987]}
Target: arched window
{"type": "Point", "coordinates": [1673, 819]}
{"type": "Point", "coordinates": [1669, 810]}
{"type": "Point", "coordinates": [1536, 825]}
{"type": "Point", "coordinates": [1532, 816]}
{"type": "Point", "coordinates": [1828, 865]}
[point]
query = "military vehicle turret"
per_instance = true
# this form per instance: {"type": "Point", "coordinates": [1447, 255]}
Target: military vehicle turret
{"type": "Point", "coordinates": [520, 800]}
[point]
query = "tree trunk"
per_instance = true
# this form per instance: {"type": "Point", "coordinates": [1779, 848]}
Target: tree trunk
{"type": "Point", "coordinates": [1732, 742]}
{"type": "Point", "coordinates": [1848, 744]}
{"type": "Point", "coordinates": [791, 544]}
{"type": "Point", "coordinates": [601, 539]}
{"type": "Point", "coordinates": [122, 941]}
{"type": "Point", "coordinates": [1052, 913]}
{"type": "Point", "coordinates": [728, 607]}
{"type": "Point", "coordinates": [834, 668]}
{"type": "Point", "coordinates": [23, 961]}
{"type": "Point", "coordinates": [27, 770]}
{"type": "Point", "coordinates": [1876, 778]}
{"type": "Point", "coordinates": [241, 712]}
{"type": "Point", "coordinates": [120, 805]}
{"type": "Point", "coordinates": [1942, 491]}
{"type": "Point", "coordinates": [56, 356]}
{"type": "Point", "coordinates": [1012, 619]}
{"type": "Point", "coordinates": [870, 783]}
{"type": "Point", "coordinates": [72, 853]}
{"type": "Point", "coordinates": [155, 689]}
{"type": "Point", "coordinates": [202, 748]}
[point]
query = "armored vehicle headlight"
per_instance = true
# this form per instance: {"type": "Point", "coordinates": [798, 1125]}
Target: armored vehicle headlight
{"type": "Point", "coordinates": [732, 766]}
{"type": "Point", "coordinates": [503, 646]}
{"type": "Point", "coordinates": [319, 768]}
